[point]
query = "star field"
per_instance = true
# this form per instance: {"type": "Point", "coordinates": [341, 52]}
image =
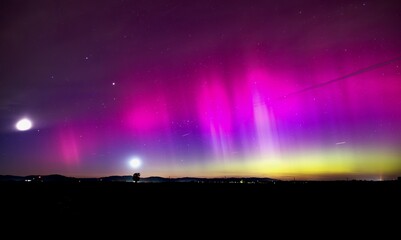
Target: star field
{"type": "Point", "coordinates": [282, 89]}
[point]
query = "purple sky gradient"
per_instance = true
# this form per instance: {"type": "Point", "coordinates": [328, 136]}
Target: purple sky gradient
{"type": "Point", "coordinates": [201, 88]}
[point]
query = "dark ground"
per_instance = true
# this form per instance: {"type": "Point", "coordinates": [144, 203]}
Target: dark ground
{"type": "Point", "coordinates": [154, 200]}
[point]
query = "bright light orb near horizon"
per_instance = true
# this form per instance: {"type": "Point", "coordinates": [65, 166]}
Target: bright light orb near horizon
{"type": "Point", "coordinates": [23, 124]}
{"type": "Point", "coordinates": [135, 162]}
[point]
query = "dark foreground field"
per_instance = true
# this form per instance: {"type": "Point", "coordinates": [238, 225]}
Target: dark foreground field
{"type": "Point", "coordinates": [171, 199]}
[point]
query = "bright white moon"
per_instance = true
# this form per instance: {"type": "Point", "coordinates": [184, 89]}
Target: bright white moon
{"type": "Point", "coordinates": [23, 124]}
{"type": "Point", "coordinates": [135, 162]}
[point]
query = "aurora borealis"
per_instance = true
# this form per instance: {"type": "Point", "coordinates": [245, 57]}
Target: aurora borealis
{"type": "Point", "coordinates": [202, 88]}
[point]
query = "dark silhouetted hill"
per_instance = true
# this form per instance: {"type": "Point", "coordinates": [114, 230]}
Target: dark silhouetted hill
{"type": "Point", "coordinates": [10, 178]}
{"type": "Point", "coordinates": [152, 179]}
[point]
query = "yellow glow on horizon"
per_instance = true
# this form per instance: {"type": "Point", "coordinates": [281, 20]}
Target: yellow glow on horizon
{"type": "Point", "coordinates": [306, 165]}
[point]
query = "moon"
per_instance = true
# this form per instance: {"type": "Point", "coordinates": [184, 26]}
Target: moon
{"type": "Point", "coordinates": [135, 162]}
{"type": "Point", "coordinates": [23, 124]}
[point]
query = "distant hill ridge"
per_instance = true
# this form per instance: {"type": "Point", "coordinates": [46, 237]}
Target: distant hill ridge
{"type": "Point", "coordinates": [152, 179]}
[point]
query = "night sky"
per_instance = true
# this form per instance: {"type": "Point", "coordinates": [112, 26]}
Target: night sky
{"type": "Point", "coordinates": [281, 89]}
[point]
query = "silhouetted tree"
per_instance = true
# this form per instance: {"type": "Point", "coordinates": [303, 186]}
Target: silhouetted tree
{"type": "Point", "coordinates": [136, 177]}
